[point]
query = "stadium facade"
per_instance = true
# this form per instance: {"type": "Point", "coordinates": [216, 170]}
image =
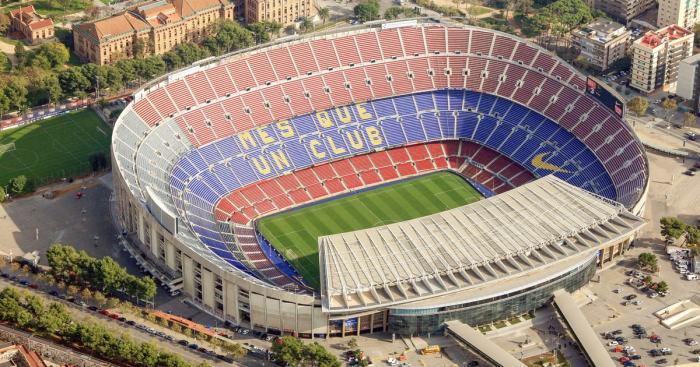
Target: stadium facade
{"type": "Point", "coordinates": [203, 152]}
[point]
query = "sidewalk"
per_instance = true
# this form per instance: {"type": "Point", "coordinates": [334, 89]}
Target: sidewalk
{"type": "Point", "coordinates": [656, 133]}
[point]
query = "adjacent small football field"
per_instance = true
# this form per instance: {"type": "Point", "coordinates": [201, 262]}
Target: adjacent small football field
{"type": "Point", "coordinates": [295, 233]}
{"type": "Point", "coordinates": [52, 149]}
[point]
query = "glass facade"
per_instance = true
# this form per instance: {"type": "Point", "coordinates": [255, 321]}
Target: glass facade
{"type": "Point", "coordinates": [502, 306]}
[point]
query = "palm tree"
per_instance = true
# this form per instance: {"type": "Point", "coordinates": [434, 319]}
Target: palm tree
{"type": "Point", "coordinates": [324, 13]}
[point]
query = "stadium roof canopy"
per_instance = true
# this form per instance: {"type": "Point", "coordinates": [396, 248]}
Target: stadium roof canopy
{"type": "Point", "coordinates": [497, 238]}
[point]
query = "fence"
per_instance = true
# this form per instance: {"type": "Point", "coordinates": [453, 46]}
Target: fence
{"type": "Point", "coordinates": [43, 112]}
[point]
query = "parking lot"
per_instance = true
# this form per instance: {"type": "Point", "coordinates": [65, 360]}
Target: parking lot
{"type": "Point", "coordinates": [622, 304]}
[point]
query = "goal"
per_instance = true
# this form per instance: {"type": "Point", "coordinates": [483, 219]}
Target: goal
{"type": "Point", "coordinates": [4, 148]}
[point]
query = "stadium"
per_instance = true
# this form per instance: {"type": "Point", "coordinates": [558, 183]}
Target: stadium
{"type": "Point", "coordinates": [383, 177]}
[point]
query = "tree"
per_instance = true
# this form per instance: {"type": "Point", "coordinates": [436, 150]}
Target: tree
{"type": "Point", "coordinates": [229, 36]}
{"type": "Point", "coordinates": [112, 302]}
{"type": "Point", "coordinates": [523, 6]}
{"type": "Point", "coordinates": [19, 184]}
{"type": "Point", "coordinates": [54, 319]}
{"type": "Point", "coordinates": [367, 10]}
{"type": "Point", "coordinates": [669, 105]}
{"type": "Point", "coordinates": [4, 22]}
{"type": "Point", "coordinates": [235, 350]}
{"type": "Point", "coordinates": [672, 228]}
{"type": "Point", "coordinates": [352, 343]}
{"type": "Point", "coordinates": [85, 294]}
{"type": "Point", "coordinates": [72, 290]}
{"type": "Point", "coordinates": [696, 29]}
{"type": "Point", "coordinates": [73, 82]}
{"type": "Point", "coordinates": [288, 350]}
{"type": "Point", "coordinates": [16, 92]}
{"type": "Point", "coordinates": [99, 298]}
{"type": "Point", "coordinates": [324, 13]}
{"type": "Point", "coordinates": [561, 17]}
{"type": "Point", "coordinates": [259, 32]}
{"type": "Point", "coordinates": [692, 235]}
{"type": "Point", "coordinates": [146, 354]}
{"type": "Point", "coordinates": [638, 105]}
{"type": "Point", "coordinates": [3, 194]}
{"type": "Point", "coordinates": [292, 351]}
{"type": "Point", "coordinates": [647, 260]}
{"type": "Point", "coordinates": [55, 54]}
{"type": "Point", "coordinates": [662, 286]}
{"type": "Point", "coordinates": [689, 119]}
{"type": "Point", "coordinates": [139, 48]}
{"type": "Point", "coordinates": [307, 25]}
{"type": "Point", "coordinates": [52, 87]}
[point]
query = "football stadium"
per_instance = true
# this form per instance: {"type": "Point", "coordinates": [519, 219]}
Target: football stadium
{"type": "Point", "coordinates": [387, 177]}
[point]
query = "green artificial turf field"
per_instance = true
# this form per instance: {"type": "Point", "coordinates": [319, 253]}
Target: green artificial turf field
{"type": "Point", "coordinates": [295, 233]}
{"type": "Point", "coordinates": [55, 148]}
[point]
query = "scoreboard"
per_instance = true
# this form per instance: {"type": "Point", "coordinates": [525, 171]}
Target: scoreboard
{"type": "Point", "coordinates": [606, 95]}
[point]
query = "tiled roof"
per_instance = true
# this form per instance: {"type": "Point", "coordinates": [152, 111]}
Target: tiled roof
{"type": "Point", "coordinates": [188, 7]}
{"type": "Point", "coordinates": [146, 16]}
{"type": "Point", "coordinates": [114, 25]}
{"type": "Point", "coordinates": [26, 9]}
{"type": "Point", "coordinates": [41, 24]}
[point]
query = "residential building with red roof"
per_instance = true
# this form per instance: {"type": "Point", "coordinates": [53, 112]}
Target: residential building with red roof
{"type": "Point", "coordinates": [657, 56]}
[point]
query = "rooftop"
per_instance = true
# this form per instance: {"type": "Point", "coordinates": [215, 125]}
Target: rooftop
{"type": "Point", "coordinates": [603, 30]}
{"type": "Point", "coordinates": [146, 16]}
{"type": "Point", "coordinates": [656, 38]}
{"type": "Point", "coordinates": [29, 17]}
{"type": "Point", "coordinates": [525, 229]}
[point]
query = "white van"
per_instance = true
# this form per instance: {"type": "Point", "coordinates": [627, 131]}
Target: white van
{"type": "Point", "coordinates": [691, 276]}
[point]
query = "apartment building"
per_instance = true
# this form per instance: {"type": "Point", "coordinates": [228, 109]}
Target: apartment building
{"type": "Point", "coordinates": [657, 56]}
{"type": "Point", "coordinates": [684, 13]}
{"type": "Point", "coordinates": [33, 27]}
{"type": "Point", "coordinates": [153, 28]}
{"type": "Point", "coordinates": [688, 86]}
{"type": "Point", "coordinates": [602, 42]}
{"type": "Point", "coordinates": [622, 11]}
{"type": "Point", "coordinates": [286, 12]}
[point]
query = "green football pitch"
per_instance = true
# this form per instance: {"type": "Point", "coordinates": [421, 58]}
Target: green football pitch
{"type": "Point", "coordinates": [57, 147]}
{"type": "Point", "coordinates": [295, 233]}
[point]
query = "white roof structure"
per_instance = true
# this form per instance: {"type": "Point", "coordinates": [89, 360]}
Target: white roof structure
{"type": "Point", "coordinates": [493, 239]}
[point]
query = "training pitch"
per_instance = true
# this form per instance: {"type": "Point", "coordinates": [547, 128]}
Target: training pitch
{"type": "Point", "coordinates": [295, 233]}
{"type": "Point", "coordinates": [55, 148]}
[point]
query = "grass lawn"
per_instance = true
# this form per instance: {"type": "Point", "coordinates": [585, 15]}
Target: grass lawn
{"type": "Point", "coordinates": [58, 147]}
{"type": "Point", "coordinates": [295, 233]}
{"type": "Point", "coordinates": [53, 8]}
{"type": "Point", "coordinates": [477, 10]}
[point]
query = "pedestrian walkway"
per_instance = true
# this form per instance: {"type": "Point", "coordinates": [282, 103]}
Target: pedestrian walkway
{"type": "Point", "coordinates": [481, 345]}
{"type": "Point", "coordinates": [592, 348]}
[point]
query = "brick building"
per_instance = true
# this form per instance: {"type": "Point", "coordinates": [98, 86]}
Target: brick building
{"type": "Point", "coordinates": [33, 27]}
{"type": "Point", "coordinates": [286, 12]}
{"type": "Point", "coordinates": [154, 28]}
